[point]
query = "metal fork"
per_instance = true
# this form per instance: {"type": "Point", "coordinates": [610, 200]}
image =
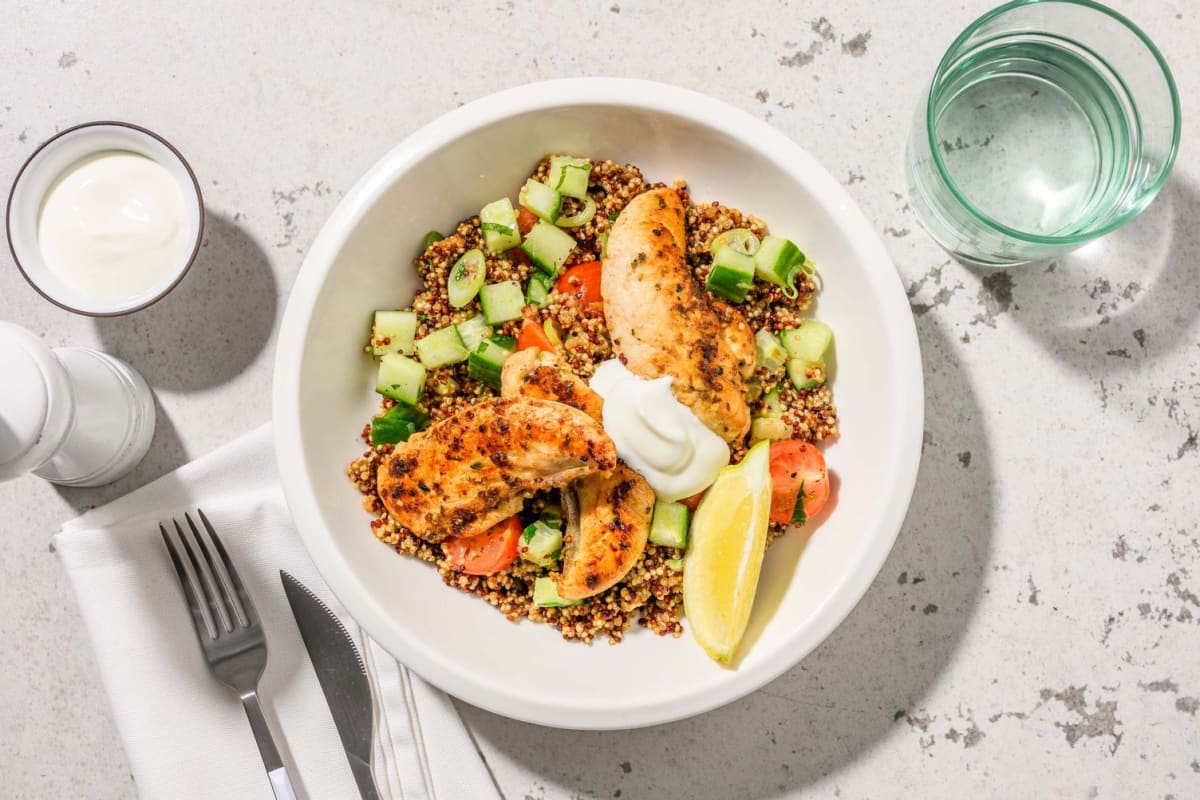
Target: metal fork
{"type": "Point", "coordinates": [228, 628]}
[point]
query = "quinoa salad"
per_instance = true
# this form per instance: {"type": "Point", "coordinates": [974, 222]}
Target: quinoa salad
{"type": "Point", "coordinates": [513, 301]}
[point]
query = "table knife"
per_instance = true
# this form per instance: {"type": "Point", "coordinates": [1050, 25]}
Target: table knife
{"type": "Point", "coordinates": [342, 676]}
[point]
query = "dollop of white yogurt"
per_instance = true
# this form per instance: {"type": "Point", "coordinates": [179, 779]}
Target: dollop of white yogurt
{"type": "Point", "coordinates": [656, 434]}
{"type": "Point", "coordinates": [114, 225]}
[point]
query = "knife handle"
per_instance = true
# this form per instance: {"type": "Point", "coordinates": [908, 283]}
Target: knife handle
{"type": "Point", "coordinates": [281, 784]}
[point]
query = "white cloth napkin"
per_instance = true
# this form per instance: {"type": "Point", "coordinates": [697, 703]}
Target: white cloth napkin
{"type": "Point", "coordinates": [186, 734]}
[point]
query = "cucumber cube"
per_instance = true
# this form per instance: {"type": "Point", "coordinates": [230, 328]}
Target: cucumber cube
{"type": "Point", "coordinates": [569, 176]}
{"type": "Point", "coordinates": [669, 526]}
{"type": "Point", "coordinates": [400, 378]}
{"type": "Point", "coordinates": [809, 342]}
{"type": "Point", "coordinates": [770, 354]}
{"type": "Point", "coordinates": [545, 594]}
{"type": "Point", "coordinates": [541, 200]}
{"type": "Point", "coordinates": [548, 247]}
{"type": "Point", "coordinates": [499, 223]}
{"type": "Point", "coordinates": [732, 274]}
{"type": "Point", "coordinates": [393, 332]}
{"type": "Point", "coordinates": [501, 301]}
{"type": "Point", "coordinates": [442, 347]}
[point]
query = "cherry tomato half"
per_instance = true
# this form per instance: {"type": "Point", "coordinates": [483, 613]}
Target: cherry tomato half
{"type": "Point", "coordinates": [796, 464]}
{"type": "Point", "coordinates": [489, 552]}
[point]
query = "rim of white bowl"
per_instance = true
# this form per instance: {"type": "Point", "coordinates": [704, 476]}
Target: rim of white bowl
{"type": "Point", "coordinates": [665, 98]}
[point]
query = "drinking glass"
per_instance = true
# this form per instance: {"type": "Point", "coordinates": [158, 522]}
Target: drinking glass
{"type": "Point", "coordinates": [1047, 124]}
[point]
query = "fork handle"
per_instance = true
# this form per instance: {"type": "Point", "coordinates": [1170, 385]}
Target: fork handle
{"type": "Point", "coordinates": [281, 784]}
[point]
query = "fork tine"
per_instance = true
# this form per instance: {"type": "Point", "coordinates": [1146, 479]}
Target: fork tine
{"type": "Point", "coordinates": [201, 561]}
{"type": "Point", "coordinates": [201, 617]}
{"type": "Point", "coordinates": [234, 592]}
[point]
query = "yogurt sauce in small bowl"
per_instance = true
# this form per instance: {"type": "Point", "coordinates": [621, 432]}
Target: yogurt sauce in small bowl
{"type": "Point", "coordinates": [105, 218]}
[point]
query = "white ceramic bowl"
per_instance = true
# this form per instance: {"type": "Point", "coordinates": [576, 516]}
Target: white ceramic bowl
{"type": "Point", "coordinates": [49, 162]}
{"type": "Point", "coordinates": [361, 261]}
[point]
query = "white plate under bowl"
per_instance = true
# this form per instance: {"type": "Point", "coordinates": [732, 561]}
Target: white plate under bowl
{"type": "Point", "coordinates": [362, 261]}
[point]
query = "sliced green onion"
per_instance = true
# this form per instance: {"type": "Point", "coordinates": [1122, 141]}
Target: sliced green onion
{"type": "Point", "coordinates": [466, 278]}
{"type": "Point", "coordinates": [581, 217]}
{"type": "Point", "coordinates": [740, 239]}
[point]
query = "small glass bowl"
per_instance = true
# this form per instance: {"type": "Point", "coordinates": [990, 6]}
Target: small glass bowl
{"type": "Point", "coordinates": [51, 160]}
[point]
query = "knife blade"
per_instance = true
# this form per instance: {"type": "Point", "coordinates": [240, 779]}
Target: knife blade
{"type": "Point", "coordinates": [342, 676]}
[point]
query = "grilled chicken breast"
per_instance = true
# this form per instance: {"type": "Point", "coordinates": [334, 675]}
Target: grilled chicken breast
{"type": "Point", "coordinates": [607, 532]}
{"type": "Point", "coordinates": [661, 320]}
{"type": "Point", "coordinates": [535, 373]}
{"type": "Point", "coordinates": [614, 521]}
{"type": "Point", "coordinates": [470, 471]}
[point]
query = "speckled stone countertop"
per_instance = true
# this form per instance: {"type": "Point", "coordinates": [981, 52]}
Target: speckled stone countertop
{"type": "Point", "coordinates": [1036, 630]}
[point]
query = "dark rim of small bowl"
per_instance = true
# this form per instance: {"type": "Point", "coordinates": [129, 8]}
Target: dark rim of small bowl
{"type": "Point", "coordinates": [186, 267]}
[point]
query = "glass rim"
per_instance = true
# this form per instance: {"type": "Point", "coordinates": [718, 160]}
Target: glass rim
{"type": "Point", "coordinates": [1145, 195]}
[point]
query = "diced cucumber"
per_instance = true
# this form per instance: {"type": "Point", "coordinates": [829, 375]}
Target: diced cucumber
{"type": "Point", "coordinates": [472, 331]}
{"type": "Point", "coordinates": [537, 293]}
{"type": "Point", "coordinates": [487, 361]}
{"type": "Point", "coordinates": [499, 223]}
{"type": "Point", "coordinates": [466, 277]}
{"type": "Point", "coordinates": [753, 389]}
{"type": "Point", "coordinates": [569, 176]}
{"type": "Point", "coordinates": [431, 238]}
{"type": "Point", "coordinates": [669, 526]}
{"type": "Point", "coordinates": [770, 428]}
{"type": "Point", "coordinates": [399, 423]}
{"type": "Point", "coordinates": [732, 274]}
{"type": "Point", "coordinates": [501, 301]}
{"type": "Point", "coordinates": [442, 347]}
{"type": "Point", "coordinates": [545, 594]}
{"type": "Point", "coordinates": [541, 200]}
{"type": "Point", "coordinates": [777, 261]}
{"type": "Point", "coordinates": [541, 544]}
{"type": "Point", "coordinates": [769, 352]}
{"type": "Point", "coordinates": [675, 564]}
{"type": "Point", "coordinates": [400, 378]}
{"type": "Point", "coordinates": [809, 342]}
{"type": "Point", "coordinates": [797, 370]}
{"type": "Point", "coordinates": [581, 217]}
{"type": "Point", "coordinates": [548, 247]}
{"type": "Point", "coordinates": [741, 239]}
{"type": "Point", "coordinates": [393, 332]}
{"type": "Point", "coordinates": [772, 405]}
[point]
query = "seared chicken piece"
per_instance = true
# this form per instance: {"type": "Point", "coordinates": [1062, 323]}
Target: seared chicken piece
{"type": "Point", "coordinates": [608, 517]}
{"type": "Point", "coordinates": [535, 373]}
{"type": "Point", "coordinates": [613, 523]}
{"type": "Point", "coordinates": [738, 336]}
{"type": "Point", "coordinates": [661, 320]}
{"type": "Point", "coordinates": [470, 471]}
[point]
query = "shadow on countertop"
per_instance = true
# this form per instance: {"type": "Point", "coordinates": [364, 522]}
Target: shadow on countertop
{"type": "Point", "coordinates": [1130, 297]}
{"type": "Point", "coordinates": [212, 326]}
{"type": "Point", "coordinates": [855, 687]}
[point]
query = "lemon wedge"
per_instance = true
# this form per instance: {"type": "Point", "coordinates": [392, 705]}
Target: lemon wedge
{"type": "Point", "coordinates": [729, 532]}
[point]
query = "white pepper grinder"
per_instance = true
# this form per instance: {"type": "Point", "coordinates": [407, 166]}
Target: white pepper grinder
{"type": "Point", "coordinates": [71, 415]}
